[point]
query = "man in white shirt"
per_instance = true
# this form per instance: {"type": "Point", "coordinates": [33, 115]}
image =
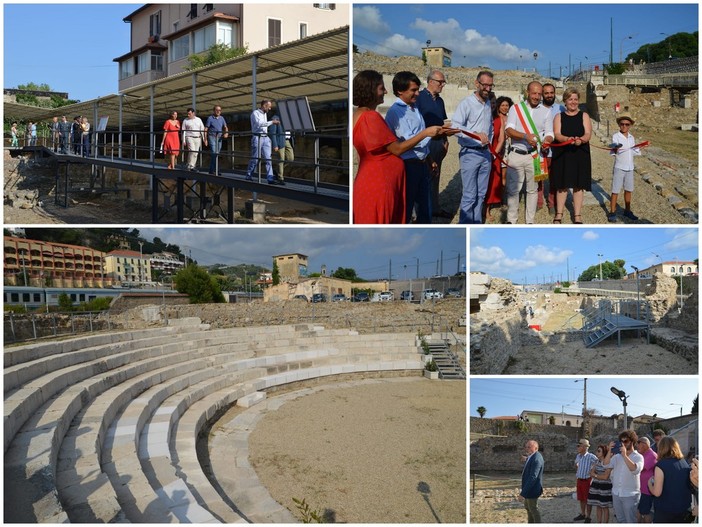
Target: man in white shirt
{"type": "Point", "coordinates": [527, 140]}
{"type": "Point", "coordinates": [260, 142]}
{"type": "Point", "coordinates": [193, 137]}
{"type": "Point", "coordinates": [626, 486]}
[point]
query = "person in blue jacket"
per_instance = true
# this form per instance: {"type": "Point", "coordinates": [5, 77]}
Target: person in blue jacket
{"type": "Point", "coordinates": [532, 481]}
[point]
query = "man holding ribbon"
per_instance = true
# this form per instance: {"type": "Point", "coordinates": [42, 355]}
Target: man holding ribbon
{"type": "Point", "coordinates": [473, 117]}
{"type": "Point", "coordinates": [530, 126]}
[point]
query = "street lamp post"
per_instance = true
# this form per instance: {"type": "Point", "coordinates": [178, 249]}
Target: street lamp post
{"type": "Point", "coordinates": [141, 263]}
{"type": "Point", "coordinates": [621, 47]}
{"type": "Point", "coordinates": [677, 404]}
{"type": "Point", "coordinates": [670, 49]}
{"type": "Point", "coordinates": [600, 256]}
{"type": "Point", "coordinates": [638, 294]}
{"type": "Point", "coordinates": [622, 397]}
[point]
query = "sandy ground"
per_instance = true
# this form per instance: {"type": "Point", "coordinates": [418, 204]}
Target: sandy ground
{"type": "Point", "coordinates": [361, 452]}
{"type": "Point", "coordinates": [634, 357]}
{"type": "Point", "coordinates": [501, 506]}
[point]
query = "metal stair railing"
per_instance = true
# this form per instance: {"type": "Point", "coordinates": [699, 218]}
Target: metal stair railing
{"type": "Point", "coordinates": [446, 361]}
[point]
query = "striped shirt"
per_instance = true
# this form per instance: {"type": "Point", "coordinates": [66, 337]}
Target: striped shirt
{"type": "Point", "coordinates": [584, 462]}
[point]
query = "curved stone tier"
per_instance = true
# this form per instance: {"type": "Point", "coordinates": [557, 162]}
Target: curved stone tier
{"type": "Point", "coordinates": [104, 428]}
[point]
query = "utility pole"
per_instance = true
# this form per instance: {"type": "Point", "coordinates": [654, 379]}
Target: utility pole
{"type": "Point", "coordinates": [586, 415]}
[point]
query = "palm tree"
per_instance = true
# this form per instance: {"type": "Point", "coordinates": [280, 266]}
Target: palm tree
{"type": "Point", "coordinates": [482, 411]}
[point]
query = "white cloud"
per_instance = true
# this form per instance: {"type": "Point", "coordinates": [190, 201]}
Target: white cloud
{"type": "Point", "coordinates": [686, 239]}
{"type": "Point", "coordinates": [541, 254]}
{"type": "Point", "coordinates": [399, 45]}
{"type": "Point", "coordinates": [590, 235]}
{"type": "Point", "coordinates": [478, 49]}
{"type": "Point", "coordinates": [369, 18]}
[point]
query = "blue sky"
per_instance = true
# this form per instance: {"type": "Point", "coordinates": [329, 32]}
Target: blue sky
{"type": "Point", "coordinates": [492, 35]}
{"type": "Point", "coordinates": [367, 250]}
{"type": "Point", "coordinates": [646, 395]}
{"type": "Point", "coordinates": [70, 47]}
{"type": "Point", "coordinates": [533, 253]}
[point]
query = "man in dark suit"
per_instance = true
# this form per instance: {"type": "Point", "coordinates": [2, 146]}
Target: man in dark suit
{"type": "Point", "coordinates": [532, 481]}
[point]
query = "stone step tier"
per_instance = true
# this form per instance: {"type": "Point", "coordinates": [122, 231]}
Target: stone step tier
{"type": "Point", "coordinates": [103, 428]}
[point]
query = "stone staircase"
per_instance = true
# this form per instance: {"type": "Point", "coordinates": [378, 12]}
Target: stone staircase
{"type": "Point", "coordinates": [103, 428]}
{"type": "Point", "coordinates": [447, 363]}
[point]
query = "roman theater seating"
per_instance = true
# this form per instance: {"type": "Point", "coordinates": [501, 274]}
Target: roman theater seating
{"type": "Point", "coordinates": [103, 428]}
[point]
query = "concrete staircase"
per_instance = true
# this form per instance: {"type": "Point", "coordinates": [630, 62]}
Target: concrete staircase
{"type": "Point", "coordinates": [103, 428]}
{"type": "Point", "coordinates": [447, 363]}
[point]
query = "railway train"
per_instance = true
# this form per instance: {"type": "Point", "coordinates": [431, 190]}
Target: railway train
{"type": "Point", "coordinates": [35, 297]}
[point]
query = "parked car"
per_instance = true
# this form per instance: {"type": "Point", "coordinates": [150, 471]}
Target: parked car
{"type": "Point", "coordinates": [454, 292]}
{"type": "Point", "coordinates": [339, 297]}
{"type": "Point", "coordinates": [301, 297]}
{"type": "Point", "coordinates": [361, 296]}
{"type": "Point", "coordinates": [429, 294]}
{"type": "Point", "coordinates": [386, 296]}
{"type": "Point", "coordinates": [406, 295]}
{"type": "Point", "coordinates": [319, 297]}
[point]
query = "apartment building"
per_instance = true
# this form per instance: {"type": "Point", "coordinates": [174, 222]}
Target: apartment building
{"type": "Point", "coordinates": [164, 35]}
{"type": "Point", "coordinates": [45, 264]}
{"type": "Point", "coordinates": [128, 267]}
{"type": "Point", "coordinates": [669, 268]}
{"type": "Point", "coordinates": [165, 263]}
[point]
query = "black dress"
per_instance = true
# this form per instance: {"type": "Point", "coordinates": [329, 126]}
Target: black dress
{"type": "Point", "coordinates": [570, 165]}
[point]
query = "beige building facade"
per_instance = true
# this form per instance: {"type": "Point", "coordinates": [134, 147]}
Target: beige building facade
{"type": "Point", "coordinates": [292, 267]}
{"type": "Point", "coordinates": [164, 35]}
{"type": "Point", "coordinates": [127, 267]}
{"type": "Point", "coordinates": [44, 264]}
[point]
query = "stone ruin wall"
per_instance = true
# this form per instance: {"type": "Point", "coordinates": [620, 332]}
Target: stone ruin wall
{"type": "Point", "coordinates": [688, 319]}
{"type": "Point", "coordinates": [497, 328]}
{"type": "Point", "coordinates": [558, 444]}
{"type": "Point", "coordinates": [662, 297]}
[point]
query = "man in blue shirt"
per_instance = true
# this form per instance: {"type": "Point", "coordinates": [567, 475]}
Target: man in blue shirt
{"type": "Point", "coordinates": [405, 120]}
{"type": "Point", "coordinates": [431, 106]}
{"type": "Point", "coordinates": [474, 115]}
{"type": "Point", "coordinates": [216, 131]}
{"type": "Point", "coordinates": [532, 481]}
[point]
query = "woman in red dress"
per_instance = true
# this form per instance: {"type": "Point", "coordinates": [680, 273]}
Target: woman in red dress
{"type": "Point", "coordinates": [170, 145]}
{"type": "Point", "coordinates": [498, 171]}
{"type": "Point", "coordinates": [379, 186]}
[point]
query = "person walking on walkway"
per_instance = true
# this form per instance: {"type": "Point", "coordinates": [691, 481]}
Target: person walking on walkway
{"type": "Point", "coordinates": [217, 131]}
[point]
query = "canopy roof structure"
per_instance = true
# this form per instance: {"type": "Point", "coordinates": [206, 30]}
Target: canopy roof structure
{"type": "Point", "coordinates": [316, 67]}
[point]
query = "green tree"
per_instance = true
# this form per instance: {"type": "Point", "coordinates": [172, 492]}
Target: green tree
{"type": "Point", "coordinates": [276, 273]}
{"type": "Point", "coordinates": [216, 53]}
{"type": "Point", "coordinates": [481, 411]}
{"type": "Point", "coordinates": [610, 271]}
{"type": "Point", "coordinates": [679, 45]}
{"type": "Point", "coordinates": [345, 273]}
{"type": "Point", "coordinates": [64, 302]}
{"type": "Point", "coordinates": [695, 402]}
{"type": "Point", "coordinates": [202, 288]}
{"type": "Point", "coordinates": [616, 68]}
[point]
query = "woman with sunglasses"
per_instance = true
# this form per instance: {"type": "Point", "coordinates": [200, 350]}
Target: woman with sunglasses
{"type": "Point", "coordinates": [600, 495]}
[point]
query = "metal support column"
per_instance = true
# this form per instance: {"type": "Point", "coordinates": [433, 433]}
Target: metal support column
{"type": "Point", "coordinates": [154, 199]}
{"type": "Point", "coordinates": [230, 203]}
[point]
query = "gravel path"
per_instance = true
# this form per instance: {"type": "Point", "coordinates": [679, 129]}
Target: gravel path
{"type": "Point", "coordinates": [361, 452]}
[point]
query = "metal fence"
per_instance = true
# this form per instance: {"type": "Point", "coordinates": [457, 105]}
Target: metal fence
{"type": "Point", "coordinates": [32, 326]}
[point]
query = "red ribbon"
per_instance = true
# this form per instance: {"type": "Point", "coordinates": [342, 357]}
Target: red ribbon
{"type": "Point", "coordinates": [489, 145]}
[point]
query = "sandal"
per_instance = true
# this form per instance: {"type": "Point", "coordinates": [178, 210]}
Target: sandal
{"type": "Point", "coordinates": [576, 217]}
{"type": "Point", "coordinates": [556, 218]}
